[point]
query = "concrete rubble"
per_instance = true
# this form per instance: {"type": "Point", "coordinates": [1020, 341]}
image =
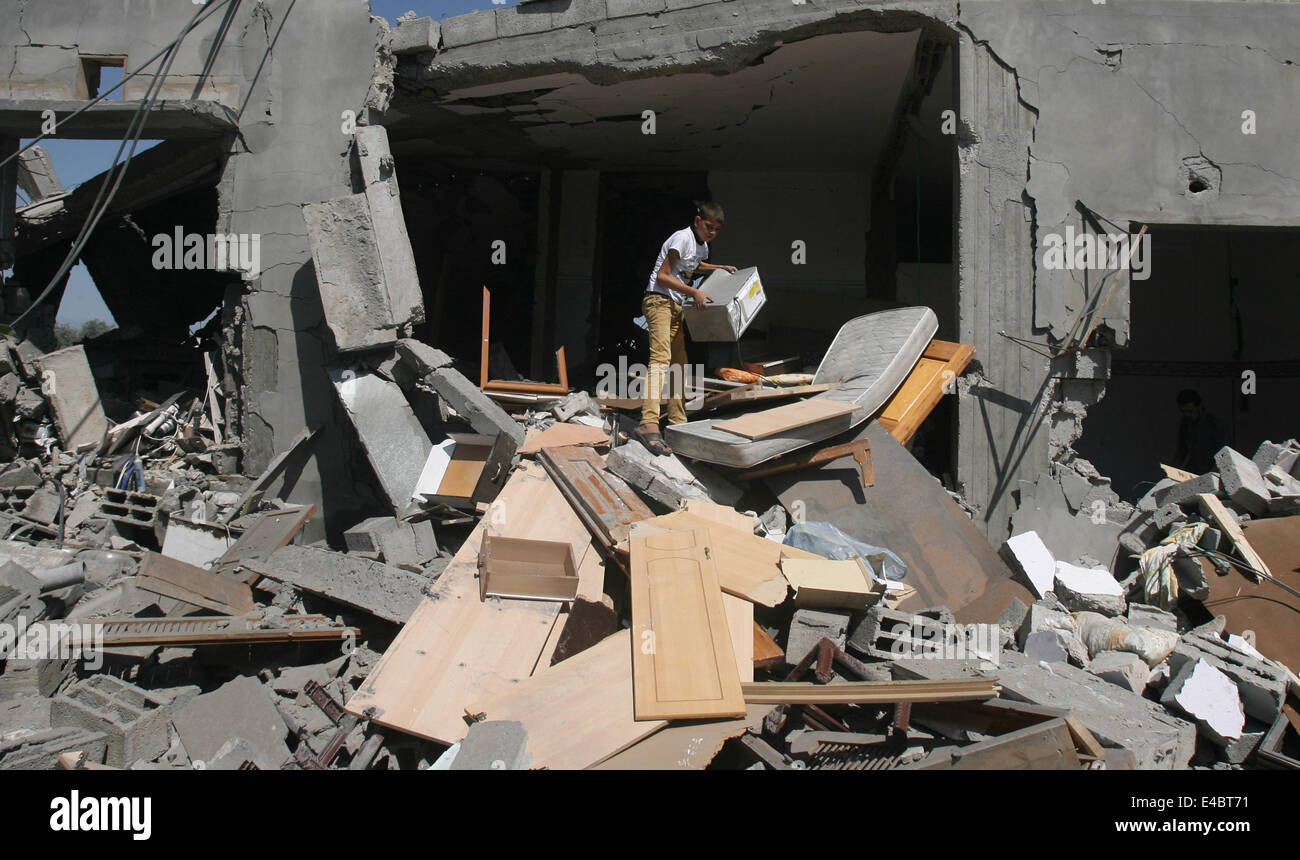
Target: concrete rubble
{"type": "Point", "coordinates": [278, 491]}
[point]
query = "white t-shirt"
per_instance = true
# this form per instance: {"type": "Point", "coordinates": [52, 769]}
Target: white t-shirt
{"type": "Point", "coordinates": [690, 252]}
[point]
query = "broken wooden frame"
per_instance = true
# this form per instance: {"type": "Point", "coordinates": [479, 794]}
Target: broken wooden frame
{"type": "Point", "coordinates": [223, 631]}
{"type": "Point", "coordinates": [508, 386]}
{"type": "Point", "coordinates": [934, 375]}
{"type": "Point", "coordinates": [868, 692]}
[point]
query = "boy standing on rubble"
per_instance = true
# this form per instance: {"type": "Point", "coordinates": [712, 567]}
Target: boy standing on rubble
{"type": "Point", "coordinates": [681, 259]}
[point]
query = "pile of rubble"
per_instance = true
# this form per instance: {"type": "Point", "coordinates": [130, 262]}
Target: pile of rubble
{"type": "Point", "coordinates": [546, 593]}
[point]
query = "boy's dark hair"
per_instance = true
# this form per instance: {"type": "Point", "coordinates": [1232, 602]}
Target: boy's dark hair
{"type": "Point", "coordinates": [709, 210]}
{"type": "Point", "coordinates": [1187, 396]}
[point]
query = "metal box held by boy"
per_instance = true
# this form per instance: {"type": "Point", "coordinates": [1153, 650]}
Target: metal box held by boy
{"type": "Point", "coordinates": [737, 299]}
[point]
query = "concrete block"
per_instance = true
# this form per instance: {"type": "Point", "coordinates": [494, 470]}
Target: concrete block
{"type": "Point", "coordinates": [292, 679]}
{"type": "Point", "coordinates": [888, 634]}
{"type": "Point", "coordinates": [1075, 486]}
{"type": "Point", "coordinates": [809, 626]}
{"type": "Point", "coordinates": [469, 29]}
{"type": "Point", "coordinates": [1187, 493]}
{"type": "Point", "coordinates": [1169, 517]}
{"type": "Point", "coordinates": [241, 708]}
{"type": "Point", "coordinates": [41, 750]}
{"type": "Point", "coordinates": [1082, 589]}
{"type": "Point", "coordinates": [1210, 539]}
{"type": "Point", "coordinates": [1014, 615]}
{"type": "Point", "coordinates": [416, 37]}
{"type": "Point", "coordinates": [1118, 718]}
{"type": "Point", "coordinates": [667, 480]}
{"type": "Point", "coordinates": [395, 442]}
{"type": "Point", "coordinates": [378, 171]}
{"type": "Point", "coordinates": [383, 590]}
{"type": "Point", "coordinates": [1285, 455]}
{"type": "Point", "coordinates": [1242, 482]}
{"type": "Point", "coordinates": [1262, 683]}
{"type": "Point", "coordinates": [1144, 615]}
{"type": "Point", "coordinates": [392, 541]}
{"type": "Point", "coordinates": [1027, 554]}
{"type": "Point", "coordinates": [350, 273]}
{"type": "Point", "coordinates": [134, 720]}
{"type": "Point", "coordinates": [19, 475]}
{"type": "Point", "coordinates": [483, 414]}
{"type": "Point", "coordinates": [493, 745]}
{"type": "Point", "coordinates": [420, 358]}
{"type": "Point", "coordinates": [1280, 482]}
{"type": "Point", "coordinates": [73, 397]}
{"type": "Point", "coordinates": [1147, 504]}
{"type": "Point", "coordinates": [1121, 668]}
{"type": "Point", "coordinates": [1047, 646]}
{"type": "Point", "coordinates": [1207, 695]}
{"type": "Point", "coordinates": [1237, 750]}
{"type": "Point", "coordinates": [577, 403]}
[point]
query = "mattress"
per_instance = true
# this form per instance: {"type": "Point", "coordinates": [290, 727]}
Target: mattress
{"type": "Point", "coordinates": [871, 355]}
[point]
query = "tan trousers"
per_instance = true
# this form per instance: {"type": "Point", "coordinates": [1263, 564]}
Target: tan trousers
{"type": "Point", "coordinates": [667, 350]}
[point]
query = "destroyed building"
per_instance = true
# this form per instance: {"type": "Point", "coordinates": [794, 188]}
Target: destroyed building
{"type": "Point", "coordinates": [339, 263]}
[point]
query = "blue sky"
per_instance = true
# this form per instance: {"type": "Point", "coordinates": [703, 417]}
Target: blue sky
{"type": "Point", "coordinates": [78, 160]}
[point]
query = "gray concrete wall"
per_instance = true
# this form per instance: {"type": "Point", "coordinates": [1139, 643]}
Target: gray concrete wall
{"type": "Point", "coordinates": [291, 68]}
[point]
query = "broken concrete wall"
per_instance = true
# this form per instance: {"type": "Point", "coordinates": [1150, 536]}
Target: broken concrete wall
{"type": "Point", "coordinates": [47, 39]}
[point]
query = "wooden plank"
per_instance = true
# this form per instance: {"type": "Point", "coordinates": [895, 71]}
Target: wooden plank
{"type": "Point", "coordinates": [868, 692]}
{"type": "Point", "coordinates": [1178, 475]}
{"type": "Point", "coordinates": [1046, 746]}
{"type": "Point", "coordinates": [456, 649]}
{"type": "Point", "coordinates": [1084, 741]}
{"type": "Point", "coordinates": [740, 624]}
{"type": "Point", "coordinates": [927, 383]}
{"type": "Point", "coordinates": [685, 746]}
{"type": "Point", "coordinates": [767, 654]}
{"type": "Point", "coordinates": [752, 393]}
{"type": "Point", "coordinates": [683, 661]}
{"type": "Point", "coordinates": [1211, 506]}
{"type": "Point", "coordinates": [719, 514]}
{"type": "Point", "coordinates": [747, 566]}
{"type": "Point", "coordinates": [577, 713]}
{"type": "Point", "coordinates": [194, 585]}
{"type": "Point", "coordinates": [782, 419]}
{"type": "Point", "coordinates": [560, 434]}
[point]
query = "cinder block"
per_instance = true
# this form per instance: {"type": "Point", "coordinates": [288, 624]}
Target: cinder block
{"type": "Point", "coordinates": [810, 626]}
{"type": "Point", "coordinates": [1167, 517]}
{"type": "Point", "coordinates": [134, 720]}
{"type": "Point", "coordinates": [1242, 481]}
{"type": "Point", "coordinates": [1047, 646]}
{"type": "Point", "coordinates": [1211, 539]}
{"type": "Point", "coordinates": [1286, 455]}
{"type": "Point", "coordinates": [241, 708]}
{"type": "Point", "coordinates": [1147, 504]}
{"type": "Point", "coordinates": [1188, 492]}
{"type": "Point", "coordinates": [888, 634]}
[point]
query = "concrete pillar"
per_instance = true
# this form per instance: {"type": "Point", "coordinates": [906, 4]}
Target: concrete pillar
{"type": "Point", "coordinates": [1002, 433]}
